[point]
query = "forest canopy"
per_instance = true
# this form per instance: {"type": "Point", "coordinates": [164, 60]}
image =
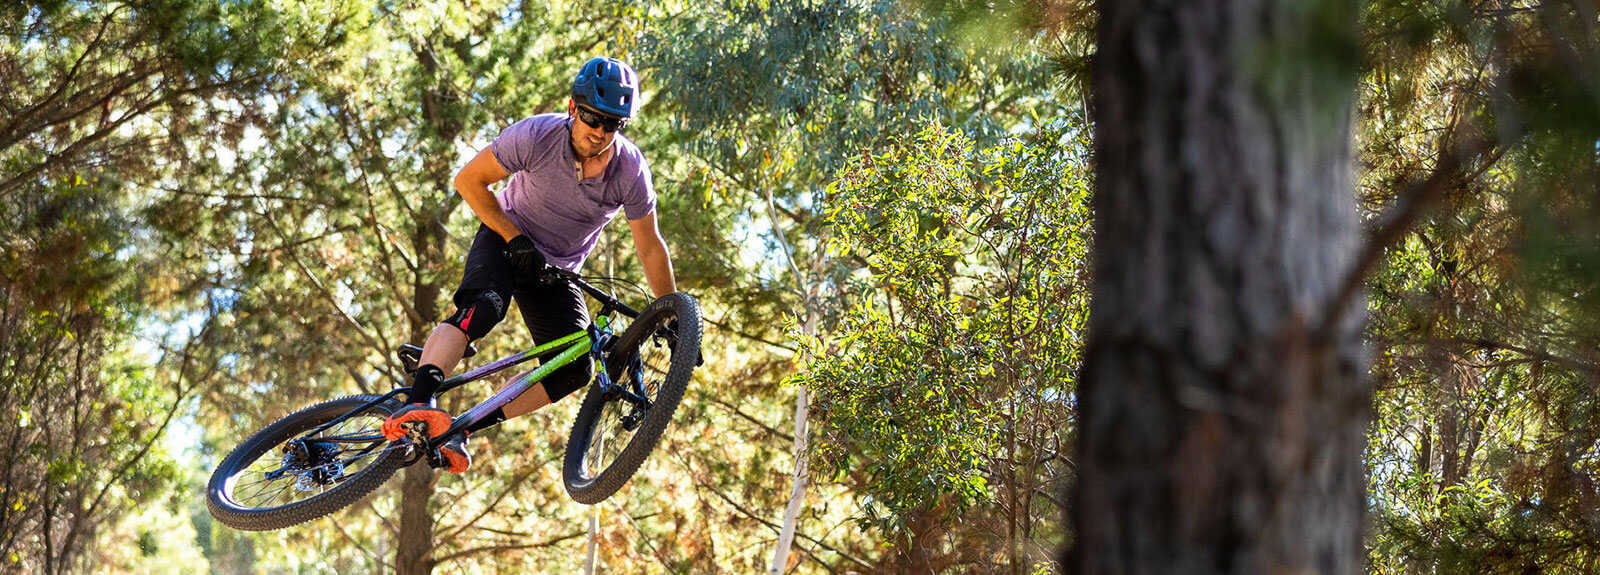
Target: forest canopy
{"type": "Point", "coordinates": [899, 218]}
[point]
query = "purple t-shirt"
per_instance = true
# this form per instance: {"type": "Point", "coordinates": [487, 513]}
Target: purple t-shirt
{"type": "Point", "coordinates": [548, 202]}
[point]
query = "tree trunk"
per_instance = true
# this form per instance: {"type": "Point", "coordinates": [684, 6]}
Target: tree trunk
{"type": "Point", "coordinates": [797, 493]}
{"type": "Point", "coordinates": [1454, 385]}
{"type": "Point", "coordinates": [1223, 397]}
{"type": "Point", "coordinates": [591, 547]}
{"type": "Point", "coordinates": [802, 401]}
{"type": "Point", "coordinates": [414, 548]}
{"type": "Point", "coordinates": [414, 553]}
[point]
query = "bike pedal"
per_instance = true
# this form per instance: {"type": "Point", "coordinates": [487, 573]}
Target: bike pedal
{"type": "Point", "coordinates": [436, 459]}
{"type": "Point", "coordinates": [416, 432]}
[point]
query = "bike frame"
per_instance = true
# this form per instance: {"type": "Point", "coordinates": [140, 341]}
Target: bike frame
{"type": "Point", "coordinates": [594, 341]}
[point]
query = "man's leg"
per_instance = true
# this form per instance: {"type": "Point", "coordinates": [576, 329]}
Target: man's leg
{"type": "Point", "coordinates": [481, 301]}
{"type": "Point", "coordinates": [480, 304]}
{"type": "Point", "coordinates": [529, 402]}
{"type": "Point", "coordinates": [550, 312]}
{"type": "Point", "coordinates": [477, 312]}
{"type": "Point", "coordinates": [444, 347]}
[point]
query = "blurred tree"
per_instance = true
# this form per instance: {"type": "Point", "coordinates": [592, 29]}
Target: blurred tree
{"type": "Point", "coordinates": [113, 87]}
{"type": "Point", "coordinates": [1223, 404]}
{"type": "Point", "coordinates": [83, 418]}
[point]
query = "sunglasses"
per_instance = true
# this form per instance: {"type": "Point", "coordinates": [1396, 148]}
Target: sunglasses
{"type": "Point", "coordinates": [599, 121]}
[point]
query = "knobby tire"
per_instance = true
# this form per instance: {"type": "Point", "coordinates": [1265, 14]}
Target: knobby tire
{"type": "Point", "coordinates": [592, 490]}
{"type": "Point", "coordinates": [334, 498]}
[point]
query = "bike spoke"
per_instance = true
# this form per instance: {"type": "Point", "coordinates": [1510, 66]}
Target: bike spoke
{"type": "Point", "coordinates": [344, 448]}
{"type": "Point", "coordinates": [609, 437]}
{"type": "Point", "coordinates": [608, 434]}
{"type": "Point", "coordinates": [257, 501]}
{"type": "Point", "coordinates": [374, 437]}
{"type": "Point", "coordinates": [264, 479]}
{"type": "Point", "coordinates": [359, 456]}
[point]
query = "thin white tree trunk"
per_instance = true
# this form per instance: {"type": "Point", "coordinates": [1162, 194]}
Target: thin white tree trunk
{"type": "Point", "coordinates": [797, 496]}
{"type": "Point", "coordinates": [593, 547]}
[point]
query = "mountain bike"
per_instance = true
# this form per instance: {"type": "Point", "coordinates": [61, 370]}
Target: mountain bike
{"type": "Point", "coordinates": [325, 457]}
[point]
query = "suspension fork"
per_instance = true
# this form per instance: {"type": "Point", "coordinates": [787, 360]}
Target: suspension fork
{"type": "Point", "coordinates": [604, 340]}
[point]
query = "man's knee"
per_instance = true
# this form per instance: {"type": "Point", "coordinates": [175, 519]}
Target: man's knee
{"type": "Point", "coordinates": [480, 316]}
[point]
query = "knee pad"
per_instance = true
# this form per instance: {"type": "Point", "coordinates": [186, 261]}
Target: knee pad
{"type": "Point", "coordinates": [477, 319]}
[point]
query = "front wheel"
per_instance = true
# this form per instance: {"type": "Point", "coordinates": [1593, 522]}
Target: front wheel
{"type": "Point", "coordinates": [616, 429]}
{"type": "Point", "coordinates": [297, 469]}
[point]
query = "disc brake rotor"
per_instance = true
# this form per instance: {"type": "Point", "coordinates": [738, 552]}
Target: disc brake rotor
{"type": "Point", "coordinates": [322, 476]}
{"type": "Point", "coordinates": [313, 463]}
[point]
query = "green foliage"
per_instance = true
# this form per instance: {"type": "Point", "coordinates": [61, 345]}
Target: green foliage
{"type": "Point", "coordinates": [794, 88]}
{"type": "Point", "coordinates": [1483, 319]}
{"type": "Point", "coordinates": [962, 331]}
{"type": "Point", "coordinates": [254, 195]}
{"type": "Point", "coordinates": [772, 98]}
{"type": "Point", "coordinates": [80, 414]}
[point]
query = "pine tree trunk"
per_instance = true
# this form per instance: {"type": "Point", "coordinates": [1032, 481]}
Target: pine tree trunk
{"type": "Point", "coordinates": [1222, 411]}
{"type": "Point", "coordinates": [414, 550]}
{"type": "Point", "coordinates": [413, 554]}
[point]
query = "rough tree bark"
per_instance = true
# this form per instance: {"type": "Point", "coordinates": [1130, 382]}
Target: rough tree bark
{"type": "Point", "coordinates": [1223, 396]}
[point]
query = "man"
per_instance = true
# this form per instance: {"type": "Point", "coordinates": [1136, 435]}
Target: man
{"type": "Point", "coordinates": [570, 174]}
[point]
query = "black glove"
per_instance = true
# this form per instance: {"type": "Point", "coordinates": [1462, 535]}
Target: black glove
{"type": "Point", "coordinates": [672, 344]}
{"type": "Point", "coordinates": [526, 260]}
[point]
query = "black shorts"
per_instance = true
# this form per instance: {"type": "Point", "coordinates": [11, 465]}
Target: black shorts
{"type": "Point", "coordinates": [551, 311]}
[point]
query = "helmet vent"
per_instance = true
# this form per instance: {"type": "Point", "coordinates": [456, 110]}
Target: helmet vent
{"type": "Point", "coordinates": [607, 85]}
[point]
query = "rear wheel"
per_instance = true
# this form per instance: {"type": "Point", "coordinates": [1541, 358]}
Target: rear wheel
{"type": "Point", "coordinates": [617, 429]}
{"type": "Point", "coordinates": [290, 472]}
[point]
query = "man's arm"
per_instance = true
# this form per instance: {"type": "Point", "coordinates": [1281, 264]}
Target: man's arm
{"type": "Point", "coordinates": [473, 182]}
{"type": "Point", "coordinates": [653, 255]}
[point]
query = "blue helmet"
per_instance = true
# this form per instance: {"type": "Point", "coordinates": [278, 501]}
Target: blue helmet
{"type": "Point", "coordinates": [607, 85]}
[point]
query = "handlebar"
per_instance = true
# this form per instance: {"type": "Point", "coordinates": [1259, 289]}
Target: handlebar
{"type": "Point", "coordinates": [606, 301]}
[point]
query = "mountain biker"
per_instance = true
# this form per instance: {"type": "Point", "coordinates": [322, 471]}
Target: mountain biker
{"type": "Point", "coordinates": [570, 174]}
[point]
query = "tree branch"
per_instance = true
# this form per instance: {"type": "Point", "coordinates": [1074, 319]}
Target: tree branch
{"type": "Point", "coordinates": [515, 483]}
{"type": "Point", "coordinates": [735, 410]}
{"type": "Point", "coordinates": [66, 80]}
{"type": "Point", "coordinates": [501, 548]}
{"type": "Point", "coordinates": [776, 527]}
{"type": "Point", "coordinates": [1387, 229]}
{"type": "Point", "coordinates": [322, 289]}
{"type": "Point", "coordinates": [725, 327]}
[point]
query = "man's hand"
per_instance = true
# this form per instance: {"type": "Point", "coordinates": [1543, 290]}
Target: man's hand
{"type": "Point", "coordinates": [526, 260]}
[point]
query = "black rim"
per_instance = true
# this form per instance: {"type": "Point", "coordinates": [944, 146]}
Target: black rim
{"type": "Point", "coordinates": [641, 369]}
{"type": "Point", "coordinates": [304, 466]}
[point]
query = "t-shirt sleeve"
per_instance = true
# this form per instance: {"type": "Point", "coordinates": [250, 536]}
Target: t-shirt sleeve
{"type": "Point", "coordinates": [515, 148]}
{"type": "Point", "coordinates": [640, 199]}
